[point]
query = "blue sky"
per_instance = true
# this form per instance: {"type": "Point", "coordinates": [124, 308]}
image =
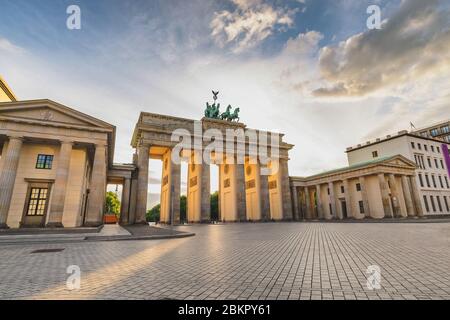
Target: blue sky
{"type": "Point", "coordinates": [308, 68]}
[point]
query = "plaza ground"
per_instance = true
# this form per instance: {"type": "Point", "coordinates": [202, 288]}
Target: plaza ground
{"type": "Point", "coordinates": [242, 261]}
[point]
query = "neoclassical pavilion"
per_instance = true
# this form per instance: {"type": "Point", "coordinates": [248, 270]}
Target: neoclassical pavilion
{"type": "Point", "coordinates": [382, 188]}
{"type": "Point", "coordinates": [244, 193]}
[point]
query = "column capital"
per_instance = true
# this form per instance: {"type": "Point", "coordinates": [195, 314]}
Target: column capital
{"type": "Point", "coordinates": [14, 137]}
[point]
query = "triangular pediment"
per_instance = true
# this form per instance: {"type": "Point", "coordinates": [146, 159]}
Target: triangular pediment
{"type": "Point", "coordinates": [49, 112]}
{"type": "Point", "coordinates": [399, 160]}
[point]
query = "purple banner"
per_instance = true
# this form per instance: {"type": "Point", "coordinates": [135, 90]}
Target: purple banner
{"type": "Point", "coordinates": [446, 157]}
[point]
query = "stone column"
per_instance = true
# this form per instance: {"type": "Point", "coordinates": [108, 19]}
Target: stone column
{"type": "Point", "coordinates": [308, 206]}
{"type": "Point", "coordinates": [385, 196]}
{"type": "Point", "coordinates": [241, 205]}
{"type": "Point", "coordinates": [408, 197]}
{"type": "Point", "coordinates": [59, 189]}
{"type": "Point", "coordinates": [8, 176]}
{"type": "Point", "coordinates": [264, 196]}
{"type": "Point", "coordinates": [295, 209]}
{"type": "Point", "coordinates": [125, 204]}
{"type": "Point", "coordinates": [175, 192]}
{"type": "Point", "coordinates": [416, 196]}
{"type": "Point", "coordinates": [205, 207]}
{"type": "Point", "coordinates": [142, 184]}
{"type": "Point", "coordinates": [348, 199]}
{"type": "Point", "coordinates": [97, 188]}
{"type": "Point", "coordinates": [133, 201]}
{"type": "Point", "coordinates": [395, 196]}
{"type": "Point", "coordinates": [364, 196]}
{"type": "Point", "coordinates": [285, 189]}
{"type": "Point", "coordinates": [320, 208]}
{"type": "Point", "coordinates": [332, 200]}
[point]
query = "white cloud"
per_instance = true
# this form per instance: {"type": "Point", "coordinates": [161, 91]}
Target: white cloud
{"type": "Point", "coordinates": [249, 24]}
{"type": "Point", "coordinates": [7, 47]}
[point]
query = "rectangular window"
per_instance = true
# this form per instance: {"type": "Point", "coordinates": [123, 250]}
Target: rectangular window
{"type": "Point", "coordinates": [436, 164]}
{"type": "Point", "coordinates": [442, 164]}
{"type": "Point", "coordinates": [428, 181]}
{"type": "Point", "coordinates": [445, 129]}
{"type": "Point", "coordinates": [425, 147]}
{"type": "Point", "coordinates": [440, 182]}
{"type": "Point", "coordinates": [429, 163]}
{"type": "Point", "coordinates": [419, 146]}
{"type": "Point", "coordinates": [421, 180]}
{"type": "Point", "coordinates": [434, 132]}
{"type": "Point", "coordinates": [413, 145]}
{"type": "Point", "coordinates": [446, 183]}
{"type": "Point", "coordinates": [432, 148]}
{"type": "Point", "coordinates": [44, 161]}
{"type": "Point", "coordinates": [328, 190]}
{"type": "Point", "coordinates": [438, 150]}
{"type": "Point", "coordinates": [432, 203]}
{"type": "Point", "coordinates": [37, 202]}
{"type": "Point", "coordinates": [361, 207]}
{"type": "Point", "coordinates": [375, 154]}
{"type": "Point", "coordinates": [425, 201]}
{"type": "Point", "coordinates": [358, 187]}
{"type": "Point", "coordinates": [446, 203]}
{"type": "Point", "coordinates": [438, 199]}
{"type": "Point", "coordinates": [342, 189]}
{"type": "Point", "coordinates": [434, 181]}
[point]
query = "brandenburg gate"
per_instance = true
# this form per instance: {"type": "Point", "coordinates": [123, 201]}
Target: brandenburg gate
{"type": "Point", "coordinates": [253, 168]}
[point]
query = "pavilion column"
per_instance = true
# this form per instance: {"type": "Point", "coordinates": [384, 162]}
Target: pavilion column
{"type": "Point", "coordinates": [285, 189]}
{"type": "Point", "coordinates": [8, 177]}
{"type": "Point", "coordinates": [97, 189]}
{"type": "Point", "coordinates": [385, 196]}
{"type": "Point", "coordinates": [415, 196]}
{"type": "Point", "coordinates": [264, 196]}
{"type": "Point", "coordinates": [205, 207]}
{"type": "Point", "coordinates": [142, 183]}
{"type": "Point", "coordinates": [332, 200]}
{"type": "Point", "coordinates": [241, 205]}
{"type": "Point", "coordinates": [348, 199]}
{"type": "Point", "coordinates": [320, 208]}
{"type": "Point", "coordinates": [175, 192]}
{"type": "Point", "coordinates": [59, 189]}
{"type": "Point", "coordinates": [125, 205]}
{"type": "Point", "coordinates": [308, 206]}
{"type": "Point", "coordinates": [408, 197]}
{"type": "Point", "coordinates": [364, 196]}
{"type": "Point", "coordinates": [295, 210]}
{"type": "Point", "coordinates": [395, 196]}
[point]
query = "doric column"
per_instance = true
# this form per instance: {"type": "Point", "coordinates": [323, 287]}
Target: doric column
{"type": "Point", "coordinates": [133, 200]}
{"type": "Point", "coordinates": [320, 208]}
{"type": "Point", "coordinates": [364, 196]}
{"type": "Point", "coordinates": [348, 199]}
{"type": "Point", "coordinates": [294, 196]}
{"type": "Point", "coordinates": [264, 196]}
{"type": "Point", "coordinates": [59, 189]}
{"type": "Point", "coordinates": [205, 207]}
{"type": "Point", "coordinates": [241, 205]}
{"type": "Point", "coordinates": [97, 189]}
{"type": "Point", "coordinates": [285, 190]}
{"type": "Point", "coordinates": [395, 196]}
{"type": "Point", "coordinates": [142, 184]}
{"type": "Point", "coordinates": [125, 204]}
{"type": "Point", "coordinates": [385, 196]}
{"type": "Point", "coordinates": [415, 196]}
{"type": "Point", "coordinates": [332, 200]}
{"type": "Point", "coordinates": [308, 206]}
{"type": "Point", "coordinates": [8, 176]}
{"type": "Point", "coordinates": [175, 192]}
{"type": "Point", "coordinates": [408, 197]}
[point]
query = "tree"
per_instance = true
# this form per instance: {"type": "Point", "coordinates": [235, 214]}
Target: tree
{"type": "Point", "coordinates": [112, 203]}
{"type": "Point", "coordinates": [183, 212]}
{"type": "Point", "coordinates": [214, 203]}
{"type": "Point", "coordinates": [153, 214]}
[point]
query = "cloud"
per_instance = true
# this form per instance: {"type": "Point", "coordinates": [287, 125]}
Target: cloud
{"type": "Point", "coordinates": [412, 43]}
{"type": "Point", "coordinates": [8, 47]}
{"type": "Point", "coordinates": [250, 23]}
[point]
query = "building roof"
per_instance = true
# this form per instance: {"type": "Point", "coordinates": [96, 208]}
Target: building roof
{"type": "Point", "coordinates": [392, 137]}
{"type": "Point", "coordinates": [7, 90]}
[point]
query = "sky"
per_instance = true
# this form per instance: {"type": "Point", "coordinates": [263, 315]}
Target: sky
{"type": "Point", "coordinates": [310, 69]}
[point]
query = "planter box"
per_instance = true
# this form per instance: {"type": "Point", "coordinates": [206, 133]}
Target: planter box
{"type": "Point", "coordinates": [110, 219]}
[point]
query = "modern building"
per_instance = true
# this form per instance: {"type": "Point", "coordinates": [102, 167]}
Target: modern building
{"type": "Point", "coordinates": [431, 157]}
{"type": "Point", "coordinates": [440, 130]}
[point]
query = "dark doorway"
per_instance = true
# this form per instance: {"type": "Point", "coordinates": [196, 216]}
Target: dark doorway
{"type": "Point", "coordinates": [344, 209]}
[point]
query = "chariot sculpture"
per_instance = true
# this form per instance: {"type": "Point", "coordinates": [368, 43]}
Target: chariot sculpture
{"type": "Point", "coordinates": [212, 111]}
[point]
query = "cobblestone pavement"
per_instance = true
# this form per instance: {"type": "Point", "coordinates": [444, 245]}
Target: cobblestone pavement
{"type": "Point", "coordinates": [242, 261]}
